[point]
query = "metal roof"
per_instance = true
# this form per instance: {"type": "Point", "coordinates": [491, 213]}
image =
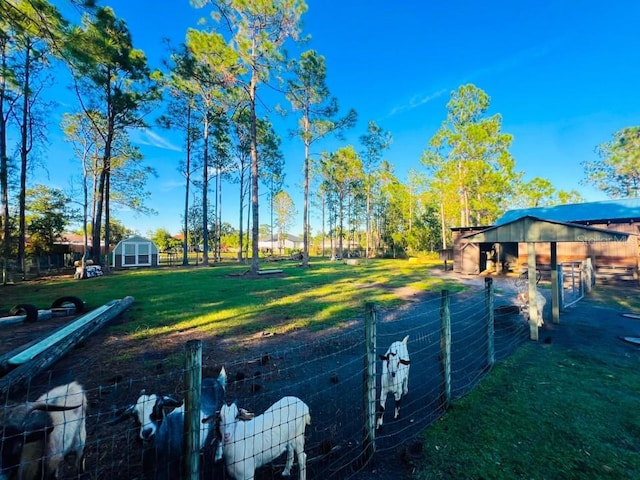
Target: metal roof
{"type": "Point", "coordinates": [609, 210]}
{"type": "Point", "coordinates": [533, 229]}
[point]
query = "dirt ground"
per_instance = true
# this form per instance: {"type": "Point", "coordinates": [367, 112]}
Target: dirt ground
{"type": "Point", "coordinates": [114, 368]}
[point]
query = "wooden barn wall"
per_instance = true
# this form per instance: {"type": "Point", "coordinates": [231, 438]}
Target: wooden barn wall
{"type": "Point", "coordinates": [617, 254]}
{"type": "Point", "coordinates": [614, 253]}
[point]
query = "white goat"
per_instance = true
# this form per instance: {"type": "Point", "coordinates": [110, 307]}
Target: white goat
{"type": "Point", "coordinates": [250, 442]}
{"type": "Point", "coordinates": [38, 436]}
{"type": "Point", "coordinates": [523, 300]}
{"type": "Point", "coordinates": [395, 377]}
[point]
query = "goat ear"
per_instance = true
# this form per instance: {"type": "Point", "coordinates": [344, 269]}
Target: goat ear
{"type": "Point", "coordinates": [143, 392]}
{"type": "Point", "coordinates": [384, 357]}
{"type": "Point", "coordinates": [170, 402]}
{"type": "Point", "coordinates": [245, 415]}
{"type": "Point", "coordinates": [210, 418]}
{"type": "Point", "coordinates": [405, 362]}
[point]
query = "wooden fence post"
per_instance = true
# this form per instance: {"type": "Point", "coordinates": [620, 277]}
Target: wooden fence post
{"type": "Point", "coordinates": [556, 286]}
{"type": "Point", "coordinates": [193, 385]}
{"type": "Point", "coordinates": [491, 358]}
{"type": "Point", "coordinates": [561, 301]}
{"type": "Point", "coordinates": [445, 351]}
{"type": "Point", "coordinates": [369, 443]}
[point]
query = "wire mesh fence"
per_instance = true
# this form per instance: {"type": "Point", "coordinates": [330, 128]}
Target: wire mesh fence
{"type": "Point", "coordinates": [328, 373]}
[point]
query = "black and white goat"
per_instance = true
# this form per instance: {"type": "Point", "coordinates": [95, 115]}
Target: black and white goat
{"type": "Point", "coordinates": [395, 377]}
{"type": "Point", "coordinates": [250, 442]}
{"type": "Point", "coordinates": [162, 433]}
{"type": "Point", "coordinates": [37, 436]}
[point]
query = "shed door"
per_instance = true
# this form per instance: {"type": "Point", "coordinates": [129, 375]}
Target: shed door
{"type": "Point", "coordinates": [135, 254]}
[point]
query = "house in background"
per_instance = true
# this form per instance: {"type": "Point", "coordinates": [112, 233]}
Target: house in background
{"type": "Point", "coordinates": [135, 252]}
{"type": "Point", "coordinates": [272, 244]}
{"type": "Point", "coordinates": [613, 215]}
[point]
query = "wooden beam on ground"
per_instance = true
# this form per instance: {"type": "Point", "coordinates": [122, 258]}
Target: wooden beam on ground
{"type": "Point", "coordinates": [267, 272]}
{"type": "Point", "coordinates": [26, 371]}
{"type": "Point", "coordinates": [36, 349]}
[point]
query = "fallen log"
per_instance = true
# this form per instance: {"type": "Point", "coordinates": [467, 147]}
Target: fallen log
{"type": "Point", "coordinates": [47, 342]}
{"type": "Point", "coordinates": [26, 371]}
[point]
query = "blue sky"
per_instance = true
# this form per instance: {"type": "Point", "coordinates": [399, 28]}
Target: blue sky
{"type": "Point", "coordinates": [564, 75]}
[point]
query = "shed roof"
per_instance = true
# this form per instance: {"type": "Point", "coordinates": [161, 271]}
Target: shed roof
{"type": "Point", "coordinates": [534, 229]}
{"type": "Point", "coordinates": [625, 209]}
{"type": "Point", "coordinates": [135, 239]}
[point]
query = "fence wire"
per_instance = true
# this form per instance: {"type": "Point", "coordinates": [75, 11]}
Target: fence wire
{"type": "Point", "coordinates": [327, 374]}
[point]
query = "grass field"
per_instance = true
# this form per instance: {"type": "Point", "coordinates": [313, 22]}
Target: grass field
{"type": "Point", "coordinates": [221, 298]}
{"type": "Point", "coordinates": [548, 412]}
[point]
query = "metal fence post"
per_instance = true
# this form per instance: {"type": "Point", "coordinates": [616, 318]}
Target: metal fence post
{"type": "Point", "coordinates": [369, 443]}
{"type": "Point", "coordinates": [193, 385]}
{"type": "Point", "coordinates": [445, 351]}
{"type": "Point", "coordinates": [488, 283]}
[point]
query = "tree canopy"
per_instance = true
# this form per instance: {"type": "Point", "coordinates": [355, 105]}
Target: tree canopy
{"type": "Point", "coordinates": [617, 173]}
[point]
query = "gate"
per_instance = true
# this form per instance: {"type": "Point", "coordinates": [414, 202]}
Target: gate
{"type": "Point", "coordinates": [574, 280]}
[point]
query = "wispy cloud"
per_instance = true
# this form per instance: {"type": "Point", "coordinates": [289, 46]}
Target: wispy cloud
{"type": "Point", "coordinates": [417, 101]}
{"type": "Point", "coordinates": [148, 137]}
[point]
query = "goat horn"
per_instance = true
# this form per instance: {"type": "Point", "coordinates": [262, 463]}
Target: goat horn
{"type": "Point", "coordinates": [50, 407]}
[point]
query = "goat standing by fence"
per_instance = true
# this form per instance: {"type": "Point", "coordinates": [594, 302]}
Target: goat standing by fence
{"type": "Point", "coordinates": [395, 377]}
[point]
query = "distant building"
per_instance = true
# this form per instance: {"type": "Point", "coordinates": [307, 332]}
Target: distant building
{"type": "Point", "coordinates": [135, 252]}
{"type": "Point", "coordinates": [274, 244]}
{"type": "Point", "coordinates": [614, 215]}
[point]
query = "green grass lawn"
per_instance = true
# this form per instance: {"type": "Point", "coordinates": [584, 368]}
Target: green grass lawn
{"type": "Point", "coordinates": [547, 412]}
{"type": "Point", "coordinates": [221, 300]}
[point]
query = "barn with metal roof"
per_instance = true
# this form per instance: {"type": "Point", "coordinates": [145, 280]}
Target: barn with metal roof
{"type": "Point", "coordinates": [610, 211]}
{"type": "Point", "coordinates": [477, 250]}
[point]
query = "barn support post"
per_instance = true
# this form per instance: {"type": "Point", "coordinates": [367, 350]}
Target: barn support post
{"type": "Point", "coordinates": [533, 304]}
{"type": "Point", "coordinates": [445, 351]}
{"type": "Point", "coordinates": [488, 285]}
{"type": "Point", "coordinates": [555, 285]}
{"type": "Point", "coordinates": [193, 385]}
{"type": "Point", "coordinates": [369, 443]}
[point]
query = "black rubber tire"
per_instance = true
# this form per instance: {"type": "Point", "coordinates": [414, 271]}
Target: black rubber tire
{"type": "Point", "coordinates": [79, 304]}
{"type": "Point", "coordinates": [27, 309]}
